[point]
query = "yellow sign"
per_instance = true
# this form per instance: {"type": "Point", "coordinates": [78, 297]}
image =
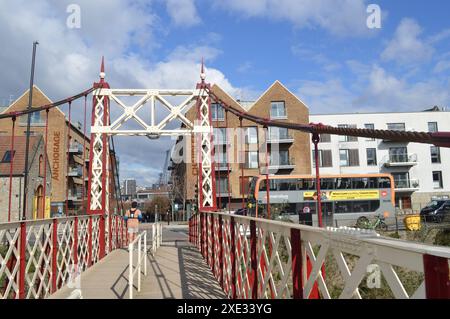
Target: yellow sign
{"type": "Point", "coordinates": [343, 195]}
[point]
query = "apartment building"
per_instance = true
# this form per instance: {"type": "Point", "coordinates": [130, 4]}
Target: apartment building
{"type": "Point", "coordinates": [67, 175]}
{"type": "Point", "coordinates": [244, 152]}
{"type": "Point", "coordinates": [421, 172]}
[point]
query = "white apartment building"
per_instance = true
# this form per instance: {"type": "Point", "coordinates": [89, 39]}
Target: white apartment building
{"type": "Point", "coordinates": [420, 171]}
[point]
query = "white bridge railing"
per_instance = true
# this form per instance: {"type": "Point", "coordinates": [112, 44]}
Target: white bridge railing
{"type": "Point", "coordinates": [260, 258]}
{"type": "Point", "coordinates": [135, 266]}
{"type": "Point", "coordinates": [37, 257]}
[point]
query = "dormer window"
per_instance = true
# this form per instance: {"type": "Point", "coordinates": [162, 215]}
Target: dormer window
{"type": "Point", "coordinates": [278, 110]}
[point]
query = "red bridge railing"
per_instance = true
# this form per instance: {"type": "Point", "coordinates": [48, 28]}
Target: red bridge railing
{"type": "Point", "coordinates": [39, 257]}
{"type": "Point", "coordinates": [260, 258]}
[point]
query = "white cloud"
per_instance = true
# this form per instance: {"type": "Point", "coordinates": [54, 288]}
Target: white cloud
{"type": "Point", "coordinates": [339, 17]}
{"type": "Point", "coordinates": [407, 47]}
{"type": "Point", "coordinates": [183, 12]}
{"type": "Point", "coordinates": [442, 66]}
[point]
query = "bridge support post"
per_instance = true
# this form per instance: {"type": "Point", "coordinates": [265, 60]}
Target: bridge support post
{"type": "Point", "coordinates": [22, 260]}
{"type": "Point", "coordinates": [213, 246]}
{"type": "Point", "coordinates": [316, 140]}
{"type": "Point", "coordinates": [54, 254]}
{"type": "Point", "coordinates": [254, 261]}
{"type": "Point", "coordinates": [233, 257]}
{"type": "Point", "coordinates": [220, 239]}
{"type": "Point", "coordinates": [75, 241]}
{"type": "Point", "coordinates": [437, 280]}
{"type": "Point", "coordinates": [296, 251]}
{"type": "Point", "coordinates": [90, 237]}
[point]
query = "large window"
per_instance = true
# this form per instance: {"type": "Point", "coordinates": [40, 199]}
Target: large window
{"type": "Point", "coordinates": [325, 138]}
{"type": "Point", "coordinates": [371, 157]}
{"type": "Point", "coordinates": [277, 110]}
{"type": "Point", "coordinates": [349, 157]}
{"type": "Point", "coordinates": [401, 180]}
{"type": "Point", "coordinates": [398, 154]}
{"type": "Point", "coordinates": [370, 126]}
{"type": "Point", "coordinates": [278, 133]}
{"type": "Point", "coordinates": [437, 180]}
{"type": "Point", "coordinates": [7, 157]}
{"type": "Point", "coordinates": [396, 126]}
{"type": "Point", "coordinates": [325, 158]}
{"type": "Point", "coordinates": [217, 112]}
{"type": "Point", "coordinates": [432, 127]}
{"type": "Point", "coordinates": [435, 154]}
{"type": "Point", "coordinates": [279, 158]}
{"type": "Point", "coordinates": [251, 135]}
{"type": "Point", "coordinates": [251, 159]}
{"type": "Point", "coordinates": [222, 185]}
{"type": "Point", "coordinates": [343, 138]}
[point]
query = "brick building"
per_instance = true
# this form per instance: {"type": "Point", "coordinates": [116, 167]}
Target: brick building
{"type": "Point", "coordinates": [245, 150]}
{"type": "Point", "coordinates": [58, 126]}
{"type": "Point", "coordinates": [36, 209]}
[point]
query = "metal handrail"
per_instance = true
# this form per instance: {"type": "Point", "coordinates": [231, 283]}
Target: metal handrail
{"type": "Point", "coordinates": [141, 256]}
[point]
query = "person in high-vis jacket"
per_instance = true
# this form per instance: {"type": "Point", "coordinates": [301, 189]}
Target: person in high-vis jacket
{"type": "Point", "coordinates": [132, 217]}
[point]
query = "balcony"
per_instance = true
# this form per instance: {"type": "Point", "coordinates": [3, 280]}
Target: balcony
{"type": "Point", "coordinates": [220, 167]}
{"type": "Point", "coordinates": [75, 171]}
{"type": "Point", "coordinates": [406, 185]}
{"type": "Point", "coordinates": [282, 164]}
{"type": "Point", "coordinates": [75, 148]}
{"type": "Point", "coordinates": [400, 160]}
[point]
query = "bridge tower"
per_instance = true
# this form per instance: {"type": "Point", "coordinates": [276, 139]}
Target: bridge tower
{"type": "Point", "coordinates": [205, 147]}
{"type": "Point", "coordinates": [98, 183]}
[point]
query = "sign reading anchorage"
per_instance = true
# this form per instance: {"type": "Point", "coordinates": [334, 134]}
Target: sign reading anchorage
{"type": "Point", "coordinates": [103, 127]}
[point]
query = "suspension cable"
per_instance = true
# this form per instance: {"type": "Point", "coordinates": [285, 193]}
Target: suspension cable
{"type": "Point", "coordinates": [242, 164]}
{"type": "Point", "coordinates": [228, 162]}
{"type": "Point", "coordinates": [11, 163]}
{"type": "Point", "coordinates": [83, 188]}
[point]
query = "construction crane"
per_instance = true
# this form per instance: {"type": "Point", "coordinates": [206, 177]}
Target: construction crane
{"type": "Point", "coordinates": [163, 175]}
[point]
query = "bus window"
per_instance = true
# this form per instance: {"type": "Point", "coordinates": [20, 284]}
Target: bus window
{"type": "Point", "coordinates": [373, 182]}
{"type": "Point", "coordinates": [274, 184]}
{"type": "Point", "coordinates": [293, 185]}
{"type": "Point", "coordinates": [311, 184]}
{"type": "Point", "coordinates": [343, 183]}
{"type": "Point", "coordinates": [302, 184]}
{"type": "Point", "coordinates": [262, 185]}
{"type": "Point", "coordinates": [359, 183]}
{"type": "Point", "coordinates": [384, 182]}
{"type": "Point", "coordinates": [284, 185]}
{"type": "Point", "coordinates": [327, 183]}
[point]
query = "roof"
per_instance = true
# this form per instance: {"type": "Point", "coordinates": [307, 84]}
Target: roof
{"type": "Point", "coordinates": [19, 156]}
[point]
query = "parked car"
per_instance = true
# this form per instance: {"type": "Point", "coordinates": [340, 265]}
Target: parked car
{"type": "Point", "coordinates": [436, 211]}
{"type": "Point", "coordinates": [241, 212]}
{"type": "Point", "coordinates": [289, 217]}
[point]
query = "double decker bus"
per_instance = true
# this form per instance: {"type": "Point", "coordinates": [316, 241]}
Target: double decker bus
{"type": "Point", "coordinates": [345, 198]}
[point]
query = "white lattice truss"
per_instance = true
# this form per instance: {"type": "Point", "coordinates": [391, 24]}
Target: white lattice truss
{"type": "Point", "coordinates": [97, 152]}
{"type": "Point", "coordinates": [348, 253]}
{"type": "Point", "coordinates": [154, 128]}
{"type": "Point", "coordinates": [41, 246]}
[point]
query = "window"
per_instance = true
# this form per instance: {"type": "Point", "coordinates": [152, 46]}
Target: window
{"type": "Point", "coordinates": [220, 156]}
{"type": "Point", "coordinates": [343, 138]}
{"type": "Point", "coordinates": [325, 138]}
{"type": "Point", "coordinates": [437, 180]}
{"type": "Point", "coordinates": [371, 157]}
{"type": "Point", "coordinates": [435, 154]}
{"type": "Point", "coordinates": [35, 119]}
{"type": "Point", "coordinates": [369, 127]}
{"type": "Point", "coordinates": [221, 185]}
{"type": "Point", "coordinates": [278, 133]}
{"type": "Point", "coordinates": [251, 159]}
{"type": "Point", "coordinates": [396, 126]}
{"type": "Point", "coordinates": [398, 155]}
{"type": "Point", "coordinates": [325, 158]}
{"type": "Point", "coordinates": [349, 157]}
{"type": "Point", "coordinates": [279, 158]}
{"type": "Point", "coordinates": [41, 165]}
{"type": "Point", "coordinates": [432, 127]}
{"type": "Point", "coordinates": [220, 135]}
{"type": "Point", "coordinates": [8, 156]}
{"type": "Point", "coordinates": [217, 112]}
{"type": "Point", "coordinates": [251, 135]}
{"type": "Point", "coordinates": [401, 180]}
{"type": "Point", "coordinates": [277, 110]}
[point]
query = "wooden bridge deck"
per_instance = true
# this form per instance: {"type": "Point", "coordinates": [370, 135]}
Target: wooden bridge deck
{"type": "Point", "coordinates": [176, 271]}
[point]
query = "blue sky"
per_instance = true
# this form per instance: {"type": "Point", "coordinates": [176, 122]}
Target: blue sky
{"type": "Point", "coordinates": [321, 50]}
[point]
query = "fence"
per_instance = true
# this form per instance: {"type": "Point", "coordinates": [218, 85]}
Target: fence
{"type": "Point", "coordinates": [259, 258]}
{"type": "Point", "coordinates": [37, 257]}
{"type": "Point", "coordinates": [141, 241]}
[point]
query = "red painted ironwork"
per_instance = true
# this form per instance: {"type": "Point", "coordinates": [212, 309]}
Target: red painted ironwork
{"type": "Point", "coordinates": [54, 254]}
{"type": "Point", "coordinates": [316, 140]}
{"type": "Point", "coordinates": [233, 257]}
{"type": "Point", "coordinates": [83, 188]}
{"type": "Point", "coordinates": [75, 241]}
{"type": "Point", "coordinates": [45, 162]}
{"type": "Point", "coordinates": [297, 280]}
{"type": "Point", "coordinates": [68, 157]}
{"type": "Point", "coordinates": [22, 254]}
{"type": "Point", "coordinates": [437, 278]}
{"type": "Point", "coordinates": [254, 260]}
{"type": "Point", "coordinates": [244, 159]}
